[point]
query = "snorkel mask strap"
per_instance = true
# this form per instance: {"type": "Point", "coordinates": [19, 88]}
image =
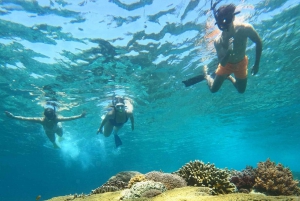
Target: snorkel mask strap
{"type": "Point", "coordinates": [117, 99]}
{"type": "Point", "coordinates": [51, 104]}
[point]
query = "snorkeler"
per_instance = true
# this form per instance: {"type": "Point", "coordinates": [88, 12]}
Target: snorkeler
{"type": "Point", "coordinates": [121, 110]}
{"type": "Point", "coordinates": [50, 122]}
{"type": "Point", "coordinates": [231, 50]}
{"type": "Point", "coordinates": [231, 47]}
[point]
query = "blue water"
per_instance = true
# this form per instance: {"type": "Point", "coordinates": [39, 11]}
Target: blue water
{"type": "Point", "coordinates": [81, 52]}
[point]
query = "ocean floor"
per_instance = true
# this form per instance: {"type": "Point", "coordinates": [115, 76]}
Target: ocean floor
{"type": "Point", "coordinates": [180, 194]}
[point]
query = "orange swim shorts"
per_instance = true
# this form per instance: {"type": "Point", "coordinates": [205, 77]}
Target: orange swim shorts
{"type": "Point", "coordinates": [240, 69]}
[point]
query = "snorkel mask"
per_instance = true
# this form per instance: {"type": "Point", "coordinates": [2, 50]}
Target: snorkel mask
{"type": "Point", "coordinates": [50, 109]}
{"type": "Point", "coordinates": [119, 103]}
{"type": "Point", "coordinates": [49, 113]}
{"type": "Point", "coordinates": [120, 107]}
{"type": "Point", "coordinates": [223, 19]}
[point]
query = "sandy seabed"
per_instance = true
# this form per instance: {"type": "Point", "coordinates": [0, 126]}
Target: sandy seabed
{"type": "Point", "coordinates": [181, 194]}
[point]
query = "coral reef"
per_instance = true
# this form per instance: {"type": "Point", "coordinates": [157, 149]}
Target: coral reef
{"type": "Point", "coordinates": [73, 197]}
{"type": "Point", "coordinates": [141, 188]}
{"type": "Point", "coordinates": [135, 179]}
{"type": "Point", "coordinates": [243, 180]}
{"type": "Point", "coordinates": [170, 181]}
{"type": "Point", "coordinates": [151, 193]}
{"type": "Point", "coordinates": [275, 179]}
{"type": "Point", "coordinates": [206, 175]}
{"type": "Point", "coordinates": [204, 191]}
{"type": "Point", "coordinates": [118, 182]}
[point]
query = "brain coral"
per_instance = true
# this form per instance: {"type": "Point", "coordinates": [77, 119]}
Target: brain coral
{"type": "Point", "coordinates": [115, 183]}
{"type": "Point", "coordinates": [206, 175]}
{"type": "Point", "coordinates": [275, 179]}
{"type": "Point", "coordinates": [139, 189]}
{"type": "Point", "coordinates": [151, 193]}
{"type": "Point", "coordinates": [170, 181]}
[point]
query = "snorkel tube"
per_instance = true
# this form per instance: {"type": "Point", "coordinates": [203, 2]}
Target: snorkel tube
{"type": "Point", "coordinates": [213, 8]}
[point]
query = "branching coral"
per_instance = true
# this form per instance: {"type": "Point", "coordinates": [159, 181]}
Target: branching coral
{"type": "Point", "coordinates": [170, 181]}
{"type": "Point", "coordinates": [206, 175]}
{"type": "Point", "coordinates": [275, 179]}
{"type": "Point", "coordinates": [243, 180]}
{"type": "Point", "coordinates": [135, 179]}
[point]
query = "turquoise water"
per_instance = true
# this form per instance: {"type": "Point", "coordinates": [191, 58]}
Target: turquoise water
{"type": "Point", "coordinates": [81, 52]}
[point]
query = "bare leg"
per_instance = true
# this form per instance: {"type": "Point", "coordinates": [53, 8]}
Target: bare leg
{"type": "Point", "coordinates": [214, 84]}
{"type": "Point", "coordinates": [116, 129]}
{"type": "Point", "coordinates": [51, 137]}
{"type": "Point", "coordinates": [59, 130]}
{"type": "Point", "coordinates": [108, 128]}
{"type": "Point", "coordinates": [118, 141]}
{"type": "Point", "coordinates": [239, 84]}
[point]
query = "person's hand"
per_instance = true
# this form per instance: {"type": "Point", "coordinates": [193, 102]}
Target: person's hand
{"type": "Point", "coordinates": [254, 69]}
{"type": "Point", "coordinates": [230, 44]}
{"type": "Point", "coordinates": [99, 131]}
{"type": "Point", "coordinates": [83, 114]}
{"type": "Point", "coordinates": [9, 114]}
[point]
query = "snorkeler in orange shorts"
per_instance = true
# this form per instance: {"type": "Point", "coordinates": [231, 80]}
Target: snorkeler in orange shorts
{"type": "Point", "coordinates": [231, 50]}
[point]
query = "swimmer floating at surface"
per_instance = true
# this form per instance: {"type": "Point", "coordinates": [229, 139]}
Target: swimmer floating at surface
{"type": "Point", "coordinates": [50, 122]}
{"type": "Point", "coordinates": [121, 111]}
{"type": "Point", "coordinates": [231, 51]}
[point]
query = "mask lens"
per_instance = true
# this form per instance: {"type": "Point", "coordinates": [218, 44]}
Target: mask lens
{"type": "Point", "coordinates": [49, 114]}
{"type": "Point", "coordinates": [120, 107]}
{"type": "Point", "coordinates": [224, 21]}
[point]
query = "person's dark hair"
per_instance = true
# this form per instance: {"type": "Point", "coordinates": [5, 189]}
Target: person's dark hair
{"type": "Point", "coordinates": [224, 16]}
{"type": "Point", "coordinates": [226, 10]}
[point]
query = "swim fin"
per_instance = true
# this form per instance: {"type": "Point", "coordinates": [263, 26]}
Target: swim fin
{"type": "Point", "coordinates": [193, 80]}
{"type": "Point", "coordinates": [118, 141]}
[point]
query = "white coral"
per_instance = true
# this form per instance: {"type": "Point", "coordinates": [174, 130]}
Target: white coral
{"type": "Point", "coordinates": [141, 187]}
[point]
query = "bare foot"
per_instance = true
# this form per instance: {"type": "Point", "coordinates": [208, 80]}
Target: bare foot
{"type": "Point", "coordinates": [231, 79]}
{"type": "Point", "coordinates": [209, 79]}
{"type": "Point", "coordinates": [205, 69]}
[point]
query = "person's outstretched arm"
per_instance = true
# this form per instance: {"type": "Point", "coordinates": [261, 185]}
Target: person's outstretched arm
{"type": "Point", "coordinates": [100, 129]}
{"type": "Point", "coordinates": [72, 117]}
{"type": "Point", "coordinates": [30, 119]}
{"type": "Point", "coordinates": [132, 122]}
{"type": "Point", "coordinates": [253, 35]}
